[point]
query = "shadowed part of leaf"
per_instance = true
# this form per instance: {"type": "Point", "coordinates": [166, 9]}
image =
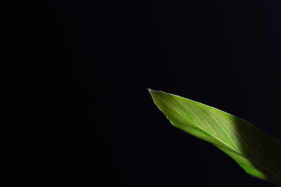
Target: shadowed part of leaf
{"type": "Point", "coordinates": [258, 153]}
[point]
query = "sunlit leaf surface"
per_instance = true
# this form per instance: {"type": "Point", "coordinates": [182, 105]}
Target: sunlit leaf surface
{"type": "Point", "coordinates": [258, 153]}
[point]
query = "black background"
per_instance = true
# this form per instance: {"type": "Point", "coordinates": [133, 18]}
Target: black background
{"type": "Point", "coordinates": [99, 126]}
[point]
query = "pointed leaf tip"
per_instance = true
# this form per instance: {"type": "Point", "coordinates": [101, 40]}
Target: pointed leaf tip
{"type": "Point", "coordinates": [258, 153]}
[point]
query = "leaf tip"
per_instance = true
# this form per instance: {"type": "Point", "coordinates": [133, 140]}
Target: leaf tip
{"type": "Point", "coordinates": [153, 92]}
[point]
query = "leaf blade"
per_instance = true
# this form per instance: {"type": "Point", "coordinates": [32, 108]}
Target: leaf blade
{"type": "Point", "coordinates": [258, 153]}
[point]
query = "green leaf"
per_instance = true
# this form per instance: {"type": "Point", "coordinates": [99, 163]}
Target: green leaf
{"type": "Point", "coordinates": [258, 153]}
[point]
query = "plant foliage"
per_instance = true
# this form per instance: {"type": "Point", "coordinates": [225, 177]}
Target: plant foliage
{"type": "Point", "coordinates": [258, 153]}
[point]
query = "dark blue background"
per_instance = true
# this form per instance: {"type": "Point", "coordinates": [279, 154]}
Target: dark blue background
{"type": "Point", "coordinates": [99, 126]}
